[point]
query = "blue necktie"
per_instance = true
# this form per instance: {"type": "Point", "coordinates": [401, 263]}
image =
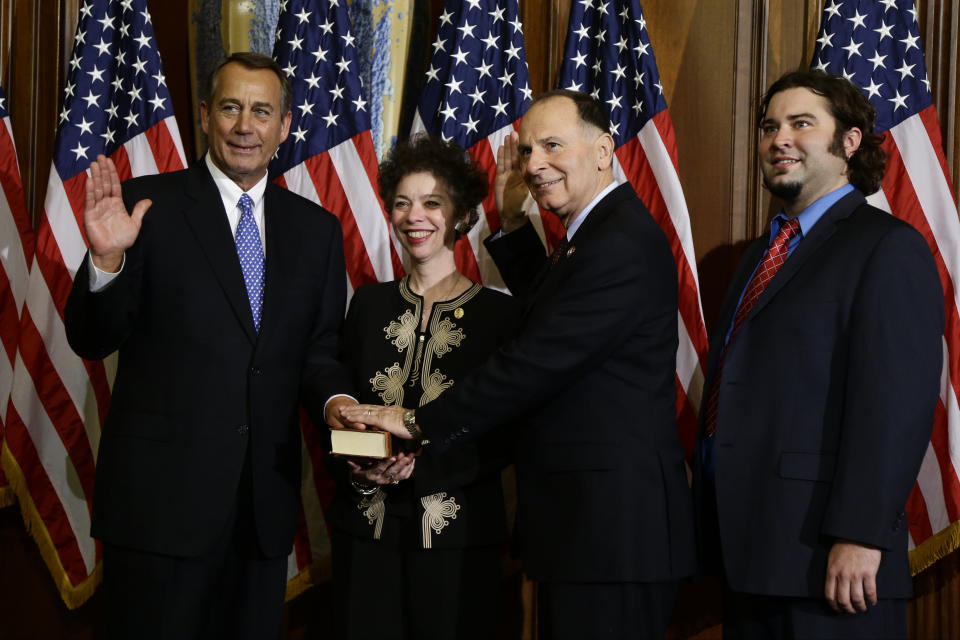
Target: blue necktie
{"type": "Point", "coordinates": [250, 252]}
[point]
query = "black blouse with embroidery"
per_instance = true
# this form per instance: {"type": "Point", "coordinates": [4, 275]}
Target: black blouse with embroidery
{"type": "Point", "coordinates": [454, 500]}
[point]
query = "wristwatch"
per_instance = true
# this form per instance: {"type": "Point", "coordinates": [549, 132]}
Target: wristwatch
{"type": "Point", "coordinates": [410, 423]}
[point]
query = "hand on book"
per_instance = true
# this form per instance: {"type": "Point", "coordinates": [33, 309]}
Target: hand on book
{"type": "Point", "coordinates": [386, 471]}
{"type": "Point", "coordinates": [331, 412]}
{"type": "Point", "coordinates": [386, 418]}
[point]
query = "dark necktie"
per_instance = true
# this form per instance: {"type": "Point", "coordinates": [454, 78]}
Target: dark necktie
{"type": "Point", "coordinates": [250, 252]}
{"type": "Point", "coordinates": [558, 251]}
{"type": "Point", "coordinates": [776, 256]}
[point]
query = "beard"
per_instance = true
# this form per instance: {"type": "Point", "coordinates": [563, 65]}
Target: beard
{"type": "Point", "coordinates": [786, 191]}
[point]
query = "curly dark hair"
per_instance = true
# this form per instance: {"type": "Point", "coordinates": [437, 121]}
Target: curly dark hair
{"type": "Point", "coordinates": [849, 108]}
{"type": "Point", "coordinates": [467, 185]}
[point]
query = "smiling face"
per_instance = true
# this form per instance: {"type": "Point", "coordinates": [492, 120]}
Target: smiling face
{"type": "Point", "coordinates": [566, 161]}
{"type": "Point", "coordinates": [244, 122]}
{"type": "Point", "coordinates": [800, 155]}
{"type": "Point", "coordinates": [423, 217]}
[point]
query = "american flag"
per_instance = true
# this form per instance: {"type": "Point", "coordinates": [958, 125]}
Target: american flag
{"type": "Point", "coordinates": [608, 55]}
{"type": "Point", "coordinates": [876, 45]}
{"type": "Point", "coordinates": [16, 251]}
{"type": "Point", "coordinates": [115, 102]}
{"type": "Point", "coordinates": [477, 88]}
{"type": "Point", "coordinates": [328, 158]}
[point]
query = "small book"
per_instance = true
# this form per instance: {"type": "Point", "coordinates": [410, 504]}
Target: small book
{"type": "Point", "coordinates": [360, 443]}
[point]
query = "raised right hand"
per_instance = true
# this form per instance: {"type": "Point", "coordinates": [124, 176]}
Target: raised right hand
{"type": "Point", "coordinates": [110, 229]}
{"type": "Point", "coordinates": [509, 189]}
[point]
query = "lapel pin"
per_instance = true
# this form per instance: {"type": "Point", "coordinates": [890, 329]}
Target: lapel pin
{"type": "Point", "coordinates": [458, 313]}
{"type": "Point", "coordinates": [571, 251]}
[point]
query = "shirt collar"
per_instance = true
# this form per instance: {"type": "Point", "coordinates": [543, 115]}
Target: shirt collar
{"type": "Point", "coordinates": [572, 229]}
{"type": "Point", "coordinates": [812, 214]}
{"type": "Point", "coordinates": [229, 190]}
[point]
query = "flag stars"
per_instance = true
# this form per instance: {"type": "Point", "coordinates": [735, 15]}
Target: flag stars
{"type": "Point", "coordinates": [300, 134]}
{"type": "Point", "coordinates": [74, 62]}
{"type": "Point", "coordinates": [80, 150]}
{"type": "Point", "coordinates": [619, 73]}
{"type": "Point", "coordinates": [102, 48]}
{"type": "Point", "coordinates": [331, 119]}
{"type": "Point", "coordinates": [91, 99]}
{"type": "Point", "coordinates": [313, 81]}
{"type": "Point", "coordinates": [496, 14]}
{"type": "Point", "coordinates": [460, 56]}
{"type": "Point", "coordinates": [454, 85]}
{"type": "Point", "coordinates": [825, 40]}
{"type": "Point", "coordinates": [483, 70]}
{"type": "Point", "coordinates": [96, 75]}
{"type": "Point", "coordinates": [106, 21]}
{"type": "Point", "coordinates": [142, 41]}
{"type": "Point", "coordinates": [600, 37]}
{"type": "Point", "coordinates": [86, 9]}
{"type": "Point", "coordinates": [134, 94]}
{"type": "Point", "coordinates": [131, 119]}
{"type": "Point", "coordinates": [833, 9]}
{"type": "Point", "coordinates": [359, 104]}
{"type": "Point", "coordinates": [69, 89]}
{"type": "Point", "coordinates": [877, 61]}
{"type": "Point", "coordinates": [527, 91]}
{"type": "Point", "coordinates": [306, 108]}
{"type": "Point", "coordinates": [160, 78]}
{"type": "Point", "coordinates": [898, 101]}
{"type": "Point", "coordinates": [140, 66]}
{"type": "Point", "coordinates": [580, 60]}
{"type": "Point", "coordinates": [107, 136]}
{"type": "Point", "coordinates": [303, 16]}
{"type": "Point", "coordinates": [336, 92]}
{"type": "Point", "coordinates": [638, 107]}
{"type": "Point", "coordinates": [884, 30]}
{"type": "Point", "coordinates": [624, 15]}
{"type": "Point", "coordinates": [582, 32]}
{"type": "Point", "coordinates": [112, 110]}
{"type": "Point", "coordinates": [621, 44]}
{"type": "Point", "coordinates": [888, 4]}
{"type": "Point", "coordinates": [905, 70]}
{"type": "Point", "coordinates": [471, 125]}
{"type": "Point", "coordinates": [157, 103]}
{"type": "Point", "coordinates": [343, 65]}
{"type": "Point", "coordinates": [295, 43]}
{"type": "Point", "coordinates": [614, 102]}
{"type": "Point", "coordinates": [432, 73]}
{"type": "Point", "coordinates": [320, 55]}
{"type": "Point", "coordinates": [64, 115]}
{"type": "Point", "coordinates": [641, 49]}
{"type": "Point", "coordinates": [474, 4]}
{"type": "Point", "coordinates": [466, 29]}
{"type": "Point", "coordinates": [449, 113]}
{"type": "Point", "coordinates": [517, 26]}
{"type": "Point", "coordinates": [490, 42]}
{"type": "Point", "coordinates": [641, 22]}
{"type": "Point", "coordinates": [84, 126]}
{"type": "Point", "coordinates": [445, 17]}
{"type": "Point", "coordinates": [347, 40]}
{"type": "Point", "coordinates": [476, 95]}
{"type": "Point", "coordinates": [873, 89]}
{"type": "Point", "coordinates": [573, 86]}
{"type": "Point", "coordinates": [852, 49]}
{"type": "Point", "coordinates": [125, 30]}
{"type": "Point", "coordinates": [290, 69]}
{"type": "Point", "coordinates": [117, 84]}
{"type": "Point", "coordinates": [500, 109]}
{"type": "Point", "coordinates": [439, 45]}
{"type": "Point", "coordinates": [327, 26]}
{"type": "Point", "coordinates": [857, 20]}
{"type": "Point", "coordinates": [512, 52]}
{"type": "Point", "coordinates": [911, 42]}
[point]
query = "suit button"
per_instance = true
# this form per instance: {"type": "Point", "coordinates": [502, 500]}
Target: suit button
{"type": "Point", "coordinates": [255, 371]}
{"type": "Point", "coordinates": [242, 429]}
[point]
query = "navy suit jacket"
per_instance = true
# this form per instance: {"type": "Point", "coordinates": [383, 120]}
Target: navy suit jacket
{"type": "Point", "coordinates": [196, 386]}
{"type": "Point", "coordinates": [826, 403]}
{"type": "Point", "coordinates": [590, 383]}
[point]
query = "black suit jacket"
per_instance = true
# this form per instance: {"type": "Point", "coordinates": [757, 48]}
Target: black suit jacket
{"type": "Point", "coordinates": [826, 402]}
{"type": "Point", "coordinates": [196, 386]}
{"type": "Point", "coordinates": [602, 490]}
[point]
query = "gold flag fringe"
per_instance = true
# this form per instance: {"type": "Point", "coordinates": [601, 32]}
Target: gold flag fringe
{"type": "Point", "coordinates": [934, 548]}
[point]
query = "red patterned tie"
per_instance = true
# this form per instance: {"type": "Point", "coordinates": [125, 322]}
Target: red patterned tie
{"type": "Point", "coordinates": [558, 251]}
{"type": "Point", "coordinates": [776, 256]}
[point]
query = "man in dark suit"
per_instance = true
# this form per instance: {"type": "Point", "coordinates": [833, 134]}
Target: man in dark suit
{"type": "Point", "coordinates": [821, 385]}
{"type": "Point", "coordinates": [604, 509]}
{"type": "Point", "coordinates": [224, 301]}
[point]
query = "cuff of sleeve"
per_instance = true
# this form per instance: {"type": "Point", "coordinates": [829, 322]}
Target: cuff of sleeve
{"type": "Point", "coordinates": [99, 280]}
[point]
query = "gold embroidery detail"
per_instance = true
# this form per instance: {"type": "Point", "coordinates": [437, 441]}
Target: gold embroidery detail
{"type": "Point", "coordinates": [445, 337]}
{"type": "Point", "coordinates": [402, 332]}
{"type": "Point", "coordinates": [437, 508]}
{"type": "Point", "coordinates": [433, 386]}
{"type": "Point", "coordinates": [458, 313]}
{"type": "Point", "coordinates": [389, 384]}
{"type": "Point", "coordinates": [374, 509]}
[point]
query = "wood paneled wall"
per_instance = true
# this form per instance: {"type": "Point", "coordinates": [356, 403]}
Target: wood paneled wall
{"type": "Point", "coordinates": [715, 57]}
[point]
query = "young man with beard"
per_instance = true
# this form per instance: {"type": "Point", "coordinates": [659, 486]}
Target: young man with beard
{"type": "Point", "coordinates": [821, 385]}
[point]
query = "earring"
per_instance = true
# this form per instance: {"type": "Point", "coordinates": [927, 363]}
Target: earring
{"type": "Point", "coordinates": [462, 226]}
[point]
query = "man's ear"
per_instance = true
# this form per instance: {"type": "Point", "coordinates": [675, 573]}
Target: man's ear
{"type": "Point", "coordinates": [604, 147]}
{"type": "Point", "coordinates": [851, 141]}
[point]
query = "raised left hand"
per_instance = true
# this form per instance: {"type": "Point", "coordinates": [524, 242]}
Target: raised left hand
{"type": "Point", "coordinates": [851, 576]}
{"type": "Point", "coordinates": [386, 418]}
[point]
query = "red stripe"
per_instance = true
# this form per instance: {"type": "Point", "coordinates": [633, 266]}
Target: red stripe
{"type": "Point", "coordinates": [932, 124]}
{"type": "Point", "coordinates": [163, 147]}
{"type": "Point", "coordinates": [13, 190]}
{"type": "Point", "coordinates": [664, 126]}
{"type": "Point", "coordinates": [331, 193]}
{"type": "Point", "coordinates": [45, 499]}
{"type": "Point", "coordinates": [484, 158]}
{"type": "Point", "coordinates": [59, 283]}
{"type": "Point", "coordinates": [57, 403]}
{"type": "Point", "coordinates": [905, 205]}
{"type": "Point", "coordinates": [637, 169]}
{"type": "Point", "coordinates": [122, 160]}
{"type": "Point", "coordinates": [9, 318]}
{"type": "Point", "coordinates": [363, 142]}
{"type": "Point", "coordinates": [918, 519]}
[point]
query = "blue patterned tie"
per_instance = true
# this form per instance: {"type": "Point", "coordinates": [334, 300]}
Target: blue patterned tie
{"type": "Point", "coordinates": [250, 251]}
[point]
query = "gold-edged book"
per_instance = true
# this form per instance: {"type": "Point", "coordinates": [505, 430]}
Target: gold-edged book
{"type": "Point", "coordinates": [361, 443]}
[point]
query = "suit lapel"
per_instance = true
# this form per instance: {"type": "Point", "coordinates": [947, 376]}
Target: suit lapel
{"type": "Point", "coordinates": [206, 218]}
{"type": "Point", "coordinates": [281, 242]}
{"type": "Point", "coordinates": [821, 232]}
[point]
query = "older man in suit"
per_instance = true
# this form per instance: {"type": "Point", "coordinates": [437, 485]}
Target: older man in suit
{"type": "Point", "coordinates": [224, 301]}
{"type": "Point", "coordinates": [604, 516]}
{"type": "Point", "coordinates": [821, 385]}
